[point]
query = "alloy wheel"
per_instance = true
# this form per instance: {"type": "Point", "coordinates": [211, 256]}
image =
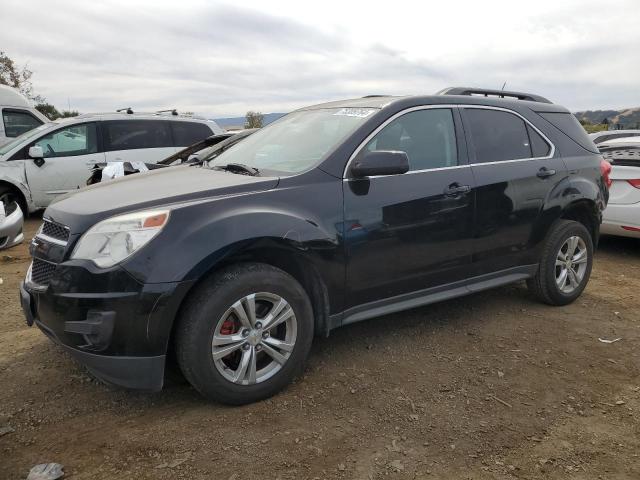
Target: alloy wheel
{"type": "Point", "coordinates": [571, 264]}
{"type": "Point", "coordinates": [254, 338]}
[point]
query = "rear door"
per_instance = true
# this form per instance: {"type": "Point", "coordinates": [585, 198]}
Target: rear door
{"type": "Point", "coordinates": [405, 233]}
{"type": "Point", "coordinates": [146, 141]}
{"type": "Point", "coordinates": [517, 173]}
{"type": "Point", "coordinates": [187, 133]}
{"type": "Point", "coordinates": [69, 154]}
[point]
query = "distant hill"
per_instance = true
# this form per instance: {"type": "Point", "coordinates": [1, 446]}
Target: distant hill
{"type": "Point", "coordinates": [627, 118]}
{"type": "Point", "coordinates": [239, 121]}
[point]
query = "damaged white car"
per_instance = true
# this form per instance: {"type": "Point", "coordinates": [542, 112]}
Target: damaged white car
{"type": "Point", "coordinates": [202, 151]}
{"type": "Point", "coordinates": [56, 158]}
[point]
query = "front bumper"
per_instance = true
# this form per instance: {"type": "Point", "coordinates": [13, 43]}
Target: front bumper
{"type": "Point", "coordinates": [116, 326]}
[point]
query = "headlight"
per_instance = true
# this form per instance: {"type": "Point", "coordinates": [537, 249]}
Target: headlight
{"type": "Point", "coordinates": [114, 239]}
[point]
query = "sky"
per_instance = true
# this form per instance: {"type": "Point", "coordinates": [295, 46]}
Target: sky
{"type": "Point", "coordinates": [220, 58]}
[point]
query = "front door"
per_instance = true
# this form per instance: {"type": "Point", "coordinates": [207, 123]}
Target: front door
{"type": "Point", "coordinates": [69, 155]}
{"type": "Point", "coordinates": [405, 233]}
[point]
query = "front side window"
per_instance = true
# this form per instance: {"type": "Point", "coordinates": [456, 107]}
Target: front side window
{"type": "Point", "coordinates": [498, 135]}
{"type": "Point", "coordinates": [17, 122]}
{"type": "Point", "coordinates": [70, 141]}
{"type": "Point", "coordinates": [188, 133]}
{"type": "Point", "coordinates": [136, 134]}
{"type": "Point", "coordinates": [428, 137]}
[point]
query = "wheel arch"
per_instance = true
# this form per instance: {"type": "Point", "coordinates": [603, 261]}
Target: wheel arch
{"type": "Point", "coordinates": [278, 253]}
{"type": "Point", "coordinates": [21, 193]}
{"type": "Point", "coordinates": [584, 211]}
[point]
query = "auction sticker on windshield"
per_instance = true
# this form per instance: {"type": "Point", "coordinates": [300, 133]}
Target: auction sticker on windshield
{"type": "Point", "coordinates": [355, 112]}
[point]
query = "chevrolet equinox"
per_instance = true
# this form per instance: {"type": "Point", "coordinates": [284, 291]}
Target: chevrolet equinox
{"type": "Point", "coordinates": [334, 214]}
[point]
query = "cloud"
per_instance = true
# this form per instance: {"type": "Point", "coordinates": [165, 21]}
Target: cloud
{"type": "Point", "coordinates": [223, 59]}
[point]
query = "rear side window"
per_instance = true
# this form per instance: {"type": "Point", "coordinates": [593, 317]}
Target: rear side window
{"type": "Point", "coordinates": [17, 122]}
{"type": "Point", "coordinates": [428, 137]}
{"type": "Point", "coordinates": [188, 133]}
{"type": "Point", "coordinates": [498, 135]}
{"type": "Point", "coordinates": [568, 124]}
{"type": "Point", "coordinates": [136, 134]}
{"type": "Point", "coordinates": [539, 146]}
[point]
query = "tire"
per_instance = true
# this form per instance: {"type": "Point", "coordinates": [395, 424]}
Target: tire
{"type": "Point", "coordinates": [219, 311]}
{"type": "Point", "coordinates": [546, 285]}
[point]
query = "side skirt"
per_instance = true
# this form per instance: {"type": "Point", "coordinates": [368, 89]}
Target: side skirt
{"type": "Point", "coordinates": [431, 295]}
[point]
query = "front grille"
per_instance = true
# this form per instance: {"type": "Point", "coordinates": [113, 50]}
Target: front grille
{"type": "Point", "coordinates": [55, 230]}
{"type": "Point", "coordinates": [41, 271]}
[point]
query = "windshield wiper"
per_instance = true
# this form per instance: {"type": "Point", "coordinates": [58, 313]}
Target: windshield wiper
{"type": "Point", "coordinates": [239, 168]}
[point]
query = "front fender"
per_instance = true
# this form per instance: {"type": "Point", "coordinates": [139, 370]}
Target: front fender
{"type": "Point", "coordinates": [197, 237]}
{"type": "Point", "coordinates": [13, 173]}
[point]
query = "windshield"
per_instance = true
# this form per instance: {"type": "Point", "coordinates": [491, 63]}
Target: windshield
{"type": "Point", "coordinates": [22, 138]}
{"type": "Point", "coordinates": [297, 142]}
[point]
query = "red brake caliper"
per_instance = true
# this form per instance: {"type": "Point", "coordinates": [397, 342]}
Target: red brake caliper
{"type": "Point", "coordinates": [228, 327]}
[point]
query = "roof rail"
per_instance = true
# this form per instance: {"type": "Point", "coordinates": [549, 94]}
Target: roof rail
{"type": "Point", "coordinates": [128, 110]}
{"type": "Point", "coordinates": [494, 93]}
{"type": "Point", "coordinates": [173, 111]}
{"type": "Point", "coordinates": [374, 96]}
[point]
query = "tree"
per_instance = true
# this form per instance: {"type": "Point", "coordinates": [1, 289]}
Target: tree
{"type": "Point", "coordinates": [69, 113]}
{"type": "Point", "coordinates": [48, 110]}
{"type": "Point", "coordinates": [253, 120]}
{"type": "Point", "coordinates": [20, 79]}
{"type": "Point", "coordinates": [16, 77]}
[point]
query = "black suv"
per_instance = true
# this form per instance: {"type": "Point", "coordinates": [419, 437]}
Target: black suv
{"type": "Point", "coordinates": [335, 213]}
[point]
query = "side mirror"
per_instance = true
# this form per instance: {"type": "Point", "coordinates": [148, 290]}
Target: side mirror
{"type": "Point", "coordinates": [381, 162]}
{"type": "Point", "coordinates": [36, 152]}
{"type": "Point", "coordinates": [37, 155]}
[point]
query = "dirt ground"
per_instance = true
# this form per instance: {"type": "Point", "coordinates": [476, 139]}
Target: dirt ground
{"type": "Point", "coordinates": [493, 385]}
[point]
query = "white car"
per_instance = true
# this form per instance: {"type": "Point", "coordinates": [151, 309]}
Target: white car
{"type": "Point", "coordinates": [57, 158]}
{"type": "Point", "coordinates": [18, 115]}
{"type": "Point", "coordinates": [606, 135]}
{"type": "Point", "coordinates": [622, 215]}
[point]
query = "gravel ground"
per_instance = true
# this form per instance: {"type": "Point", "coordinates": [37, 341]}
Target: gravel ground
{"type": "Point", "coordinates": [492, 385]}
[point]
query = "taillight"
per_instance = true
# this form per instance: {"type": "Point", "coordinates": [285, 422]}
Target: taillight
{"type": "Point", "coordinates": [635, 182]}
{"type": "Point", "coordinates": [605, 171]}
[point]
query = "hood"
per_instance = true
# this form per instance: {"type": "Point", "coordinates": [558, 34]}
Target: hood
{"type": "Point", "coordinates": [82, 209]}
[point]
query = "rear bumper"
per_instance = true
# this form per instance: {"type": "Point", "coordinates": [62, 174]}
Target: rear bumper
{"type": "Point", "coordinates": [617, 216]}
{"type": "Point", "coordinates": [117, 327]}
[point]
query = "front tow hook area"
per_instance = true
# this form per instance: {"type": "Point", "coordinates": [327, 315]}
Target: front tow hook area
{"type": "Point", "coordinates": [96, 329]}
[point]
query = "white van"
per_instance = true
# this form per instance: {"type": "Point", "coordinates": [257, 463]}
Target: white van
{"type": "Point", "coordinates": [18, 115]}
{"type": "Point", "coordinates": [56, 158]}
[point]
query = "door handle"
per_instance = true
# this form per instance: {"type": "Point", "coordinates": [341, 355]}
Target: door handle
{"type": "Point", "coordinates": [545, 172]}
{"type": "Point", "coordinates": [456, 189]}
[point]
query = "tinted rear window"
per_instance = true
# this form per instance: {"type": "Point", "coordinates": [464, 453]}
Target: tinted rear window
{"type": "Point", "coordinates": [568, 124]}
{"type": "Point", "coordinates": [613, 136]}
{"type": "Point", "coordinates": [188, 133]}
{"type": "Point", "coordinates": [134, 134]}
{"type": "Point", "coordinates": [497, 135]}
